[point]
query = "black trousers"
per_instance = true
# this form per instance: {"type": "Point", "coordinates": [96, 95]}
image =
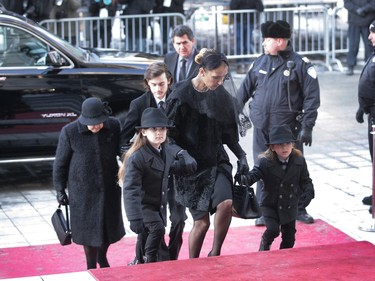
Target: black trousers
{"type": "Point", "coordinates": [273, 229]}
{"type": "Point", "coordinates": [355, 33]}
{"type": "Point", "coordinates": [177, 219]}
{"type": "Point", "coordinates": [148, 242]}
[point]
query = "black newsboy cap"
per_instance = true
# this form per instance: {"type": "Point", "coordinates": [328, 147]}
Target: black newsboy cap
{"type": "Point", "coordinates": [278, 29]}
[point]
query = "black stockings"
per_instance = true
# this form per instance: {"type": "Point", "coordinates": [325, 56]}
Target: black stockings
{"type": "Point", "coordinates": [96, 255]}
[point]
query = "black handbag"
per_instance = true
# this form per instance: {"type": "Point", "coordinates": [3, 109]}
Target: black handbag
{"type": "Point", "coordinates": [61, 226]}
{"type": "Point", "coordinates": [245, 204]}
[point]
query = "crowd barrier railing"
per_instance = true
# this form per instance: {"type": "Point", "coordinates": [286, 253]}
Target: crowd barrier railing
{"type": "Point", "coordinates": [317, 32]}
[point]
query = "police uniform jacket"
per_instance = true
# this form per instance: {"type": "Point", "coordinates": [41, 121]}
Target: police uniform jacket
{"type": "Point", "coordinates": [86, 165]}
{"type": "Point", "coordinates": [366, 85]}
{"type": "Point", "coordinates": [266, 84]}
{"type": "Point", "coordinates": [146, 183]}
{"type": "Point", "coordinates": [282, 188]}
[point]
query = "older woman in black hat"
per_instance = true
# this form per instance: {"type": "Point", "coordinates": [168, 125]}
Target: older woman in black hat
{"type": "Point", "coordinates": [86, 165]}
{"type": "Point", "coordinates": [283, 170]}
{"type": "Point", "coordinates": [144, 175]}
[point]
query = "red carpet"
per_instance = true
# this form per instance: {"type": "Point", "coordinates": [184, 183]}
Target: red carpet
{"type": "Point", "coordinates": [53, 259]}
{"type": "Point", "coordinates": [353, 261]}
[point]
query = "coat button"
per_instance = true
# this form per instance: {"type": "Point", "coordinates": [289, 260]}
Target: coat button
{"type": "Point", "coordinates": [281, 196]}
{"type": "Point", "coordinates": [281, 185]}
{"type": "Point", "coordinates": [290, 195]}
{"type": "Point", "coordinates": [162, 207]}
{"type": "Point", "coordinates": [162, 193]}
{"type": "Point", "coordinates": [280, 207]}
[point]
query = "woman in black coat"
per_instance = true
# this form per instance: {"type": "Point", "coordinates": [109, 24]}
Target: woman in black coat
{"type": "Point", "coordinates": [86, 165]}
{"type": "Point", "coordinates": [205, 118]}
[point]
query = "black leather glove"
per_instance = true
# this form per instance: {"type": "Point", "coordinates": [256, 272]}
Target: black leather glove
{"type": "Point", "coordinates": [186, 164]}
{"type": "Point", "coordinates": [359, 115]}
{"type": "Point", "coordinates": [242, 166]}
{"type": "Point", "coordinates": [62, 198]}
{"type": "Point", "coordinates": [361, 12]}
{"type": "Point", "coordinates": [305, 136]}
{"type": "Point", "coordinates": [137, 226]}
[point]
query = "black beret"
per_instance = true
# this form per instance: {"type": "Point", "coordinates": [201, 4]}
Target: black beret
{"type": "Point", "coordinates": [278, 29]}
{"type": "Point", "coordinates": [372, 26]}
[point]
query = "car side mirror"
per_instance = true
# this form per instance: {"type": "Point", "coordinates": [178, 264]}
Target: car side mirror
{"type": "Point", "coordinates": [55, 59]}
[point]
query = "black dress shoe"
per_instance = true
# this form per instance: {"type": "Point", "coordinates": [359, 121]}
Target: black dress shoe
{"type": "Point", "coordinates": [305, 218]}
{"type": "Point", "coordinates": [370, 210]}
{"type": "Point", "coordinates": [367, 200]}
{"type": "Point", "coordinates": [350, 71]}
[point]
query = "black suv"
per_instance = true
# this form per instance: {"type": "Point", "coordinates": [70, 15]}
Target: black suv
{"type": "Point", "coordinates": [44, 79]}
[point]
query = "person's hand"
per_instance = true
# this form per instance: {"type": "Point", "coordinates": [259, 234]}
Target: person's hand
{"type": "Point", "coordinates": [186, 164]}
{"type": "Point", "coordinates": [359, 115]}
{"type": "Point", "coordinates": [62, 198]}
{"type": "Point", "coordinates": [137, 226]}
{"type": "Point", "coordinates": [242, 166]}
{"type": "Point", "coordinates": [305, 136]}
{"type": "Point", "coordinates": [361, 12]}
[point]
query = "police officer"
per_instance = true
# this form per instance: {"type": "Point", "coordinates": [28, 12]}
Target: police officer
{"type": "Point", "coordinates": [366, 98]}
{"type": "Point", "coordinates": [284, 89]}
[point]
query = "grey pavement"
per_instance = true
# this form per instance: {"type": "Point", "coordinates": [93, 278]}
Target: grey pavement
{"type": "Point", "coordinates": [338, 160]}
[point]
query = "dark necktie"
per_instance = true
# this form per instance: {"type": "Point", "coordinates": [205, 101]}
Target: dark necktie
{"type": "Point", "coordinates": [284, 164]}
{"type": "Point", "coordinates": [182, 74]}
{"type": "Point", "coordinates": [162, 105]}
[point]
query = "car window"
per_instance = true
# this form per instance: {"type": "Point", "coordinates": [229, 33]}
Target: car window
{"type": "Point", "coordinates": [20, 48]}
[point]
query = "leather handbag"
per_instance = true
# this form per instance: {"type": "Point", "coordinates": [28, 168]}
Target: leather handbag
{"type": "Point", "coordinates": [61, 225]}
{"type": "Point", "coordinates": [245, 204]}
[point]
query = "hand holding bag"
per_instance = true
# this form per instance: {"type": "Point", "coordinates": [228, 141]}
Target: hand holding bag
{"type": "Point", "coordinates": [245, 204]}
{"type": "Point", "coordinates": [61, 226]}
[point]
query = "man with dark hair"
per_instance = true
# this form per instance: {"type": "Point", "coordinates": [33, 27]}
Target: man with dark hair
{"type": "Point", "coordinates": [181, 61]}
{"type": "Point", "coordinates": [284, 89]}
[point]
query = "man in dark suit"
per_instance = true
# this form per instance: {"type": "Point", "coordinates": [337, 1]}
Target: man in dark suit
{"type": "Point", "coordinates": [158, 81]}
{"type": "Point", "coordinates": [183, 42]}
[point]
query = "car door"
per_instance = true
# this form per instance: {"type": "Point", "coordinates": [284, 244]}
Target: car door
{"type": "Point", "coordinates": [36, 99]}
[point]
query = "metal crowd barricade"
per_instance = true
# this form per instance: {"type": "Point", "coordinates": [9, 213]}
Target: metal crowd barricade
{"type": "Point", "coordinates": [146, 33]}
{"type": "Point", "coordinates": [310, 27]}
{"type": "Point", "coordinates": [318, 31]}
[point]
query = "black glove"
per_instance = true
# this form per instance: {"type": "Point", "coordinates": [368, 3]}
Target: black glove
{"type": "Point", "coordinates": [242, 166]}
{"type": "Point", "coordinates": [305, 136]}
{"type": "Point", "coordinates": [62, 198]}
{"type": "Point", "coordinates": [186, 164]}
{"type": "Point", "coordinates": [359, 115]}
{"type": "Point", "coordinates": [137, 226]}
{"type": "Point", "coordinates": [361, 12]}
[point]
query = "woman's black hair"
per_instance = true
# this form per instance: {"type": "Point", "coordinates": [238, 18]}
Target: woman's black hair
{"type": "Point", "coordinates": [210, 59]}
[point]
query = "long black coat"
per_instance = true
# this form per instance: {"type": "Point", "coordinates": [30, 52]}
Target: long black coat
{"type": "Point", "coordinates": [281, 189]}
{"type": "Point", "coordinates": [86, 164]}
{"type": "Point", "coordinates": [146, 184]}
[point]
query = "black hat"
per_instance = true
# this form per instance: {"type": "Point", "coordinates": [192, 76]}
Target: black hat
{"type": "Point", "coordinates": [94, 112]}
{"type": "Point", "coordinates": [281, 134]}
{"type": "Point", "coordinates": [153, 117]}
{"type": "Point", "coordinates": [372, 26]}
{"type": "Point", "coordinates": [278, 29]}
